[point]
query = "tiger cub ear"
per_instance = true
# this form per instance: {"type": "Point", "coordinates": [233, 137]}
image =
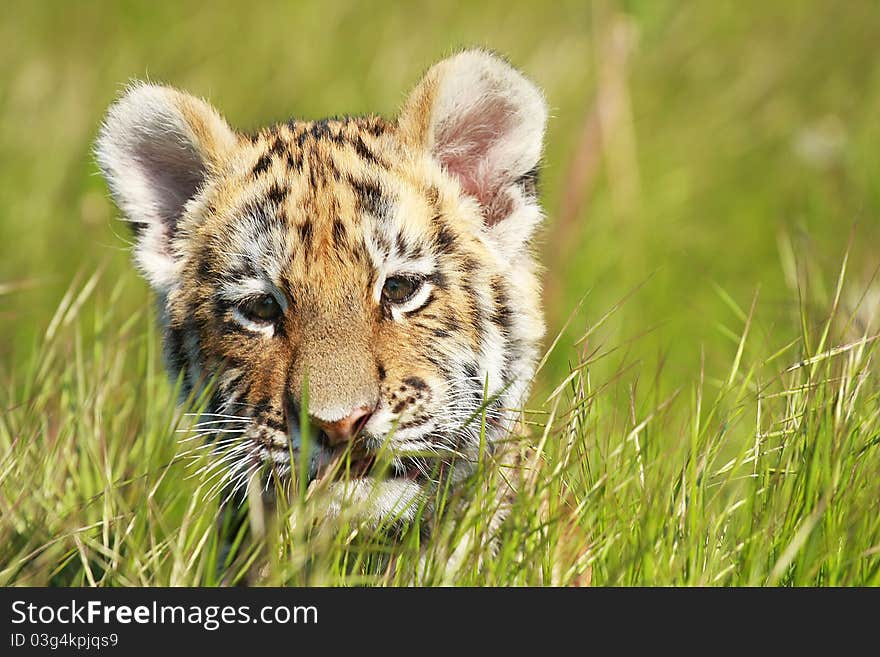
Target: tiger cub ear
{"type": "Point", "coordinates": [156, 148]}
{"type": "Point", "coordinates": [484, 122]}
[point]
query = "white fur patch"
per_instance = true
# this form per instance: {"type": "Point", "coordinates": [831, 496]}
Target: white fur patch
{"type": "Point", "coordinates": [379, 500]}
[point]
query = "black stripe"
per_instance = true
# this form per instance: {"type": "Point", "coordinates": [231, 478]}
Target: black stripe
{"type": "Point", "coordinates": [445, 239]}
{"type": "Point", "coordinates": [175, 354]}
{"type": "Point", "coordinates": [320, 129]}
{"type": "Point", "coordinates": [305, 234]}
{"type": "Point", "coordinates": [262, 408]}
{"type": "Point", "coordinates": [529, 183]}
{"type": "Point", "coordinates": [475, 311]}
{"type": "Point", "coordinates": [365, 153]}
{"type": "Point", "coordinates": [369, 197]}
{"type": "Point", "coordinates": [277, 194]}
{"type": "Point", "coordinates": [469, 265]}
{"type": "Point", "coordinates": [273, 423]}
{"type": "Point", "coordinates": [338, 233]}
{"type": "Point", "coordinates": [279, 146]}
{"type": "Point", "coordinates": [502, 316]}
{"type": "Point", "coordinates": [204, 267]}
{"type": "Point", "coordinates": [437, 279]}
{"type": "Point", "coordinates": [416, 382]}
{"type": "Point", "coordinates": [262, 165]}
{"type": "Point", "coordinates": [295, 161]}
{"type": "Point", "coordinates": [243, 269]}
{"type": "Point", "coordinates": [374, 125]}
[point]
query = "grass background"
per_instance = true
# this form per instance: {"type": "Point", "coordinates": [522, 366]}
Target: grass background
{"type": "Point", "coordinates": [710, 170]}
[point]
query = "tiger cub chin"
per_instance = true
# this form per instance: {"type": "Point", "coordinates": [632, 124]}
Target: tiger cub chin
{"type": "Point", "coordinates": [380, 267]}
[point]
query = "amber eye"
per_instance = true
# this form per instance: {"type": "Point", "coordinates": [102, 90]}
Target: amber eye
{"type": "Point", "coordinates": [263, 308]}
{"type": "Point", "coordinates": [398, 289]}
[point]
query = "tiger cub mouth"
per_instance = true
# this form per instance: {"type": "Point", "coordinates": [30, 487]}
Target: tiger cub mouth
{"type": "Point", "coordinates": [345, 464]}
{"type": "Point", "coordinates": [356, 460]}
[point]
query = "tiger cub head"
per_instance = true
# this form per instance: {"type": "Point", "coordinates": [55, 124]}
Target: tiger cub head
{"type": "Point", "coordinates": [372, 277]}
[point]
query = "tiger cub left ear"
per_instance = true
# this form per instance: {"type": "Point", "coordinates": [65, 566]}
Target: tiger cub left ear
{"type": "Point", "coordinates": [157, 148]}
{"type": "Point", "coordinates": [484, 122]}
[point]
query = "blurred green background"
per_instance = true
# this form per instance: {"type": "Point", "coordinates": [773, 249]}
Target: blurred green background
{"type": "Point", "coordinates": [692, 146]}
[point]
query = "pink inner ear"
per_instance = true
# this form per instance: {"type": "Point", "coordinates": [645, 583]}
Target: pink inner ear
{"type": "Point", "coordinates": [464, 143]}
{"type": "Point", "coordinates": [174, 171]}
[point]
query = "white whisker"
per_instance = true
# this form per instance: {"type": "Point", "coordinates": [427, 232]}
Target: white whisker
{"type": "Point", "coordinates": [234, 417]}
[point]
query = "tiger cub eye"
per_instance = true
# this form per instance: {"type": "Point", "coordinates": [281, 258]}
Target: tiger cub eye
{"type": "Point", "coordinates": [398, 289]}
{"type": "Point", "coordinates": [262, 309]}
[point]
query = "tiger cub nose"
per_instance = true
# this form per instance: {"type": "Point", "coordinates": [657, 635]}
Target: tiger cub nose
{"type": "Point", "coordinates": [342, 431]}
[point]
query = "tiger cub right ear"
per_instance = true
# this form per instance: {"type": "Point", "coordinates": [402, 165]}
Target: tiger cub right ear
{"type": "Point", "coordinates": [483, 122]}
{"type": "Point", "coordinates": [156, 148]}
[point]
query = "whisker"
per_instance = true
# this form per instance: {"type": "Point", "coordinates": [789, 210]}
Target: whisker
{"type": "Point", "coordinates": [219, 447]}
{"type": "Point", "coordinates": [234, 417]}
{"type": "Point", "coordinates": [244, 478]}
{"type": "Point", "coordinates": [206, 432]}
{"type": "Point", "coordinates": [230, 422]}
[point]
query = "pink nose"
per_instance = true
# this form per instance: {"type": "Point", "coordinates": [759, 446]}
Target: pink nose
{"type": "Point", "coordinates": [342, 431]}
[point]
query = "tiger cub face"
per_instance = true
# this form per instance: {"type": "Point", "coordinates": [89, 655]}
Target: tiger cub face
{"type": "Point", "coordinates": [371, 276]}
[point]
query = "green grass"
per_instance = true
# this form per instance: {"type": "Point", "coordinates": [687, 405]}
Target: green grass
{"type": "Point", "coordinates": [710, 413]}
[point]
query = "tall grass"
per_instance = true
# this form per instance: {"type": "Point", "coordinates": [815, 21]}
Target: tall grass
{"type": "Point", "coordinates": [766, 472]}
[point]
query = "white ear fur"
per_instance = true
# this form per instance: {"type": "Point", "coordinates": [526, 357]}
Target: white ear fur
{"type": "Point", "coordinates": [484, 123]}
{"type": "Point", "coordinates": [156, 147]}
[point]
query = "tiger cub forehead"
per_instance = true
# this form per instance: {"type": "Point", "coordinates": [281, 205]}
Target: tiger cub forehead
{"type": "Point", "coordinates": [311, 200]}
